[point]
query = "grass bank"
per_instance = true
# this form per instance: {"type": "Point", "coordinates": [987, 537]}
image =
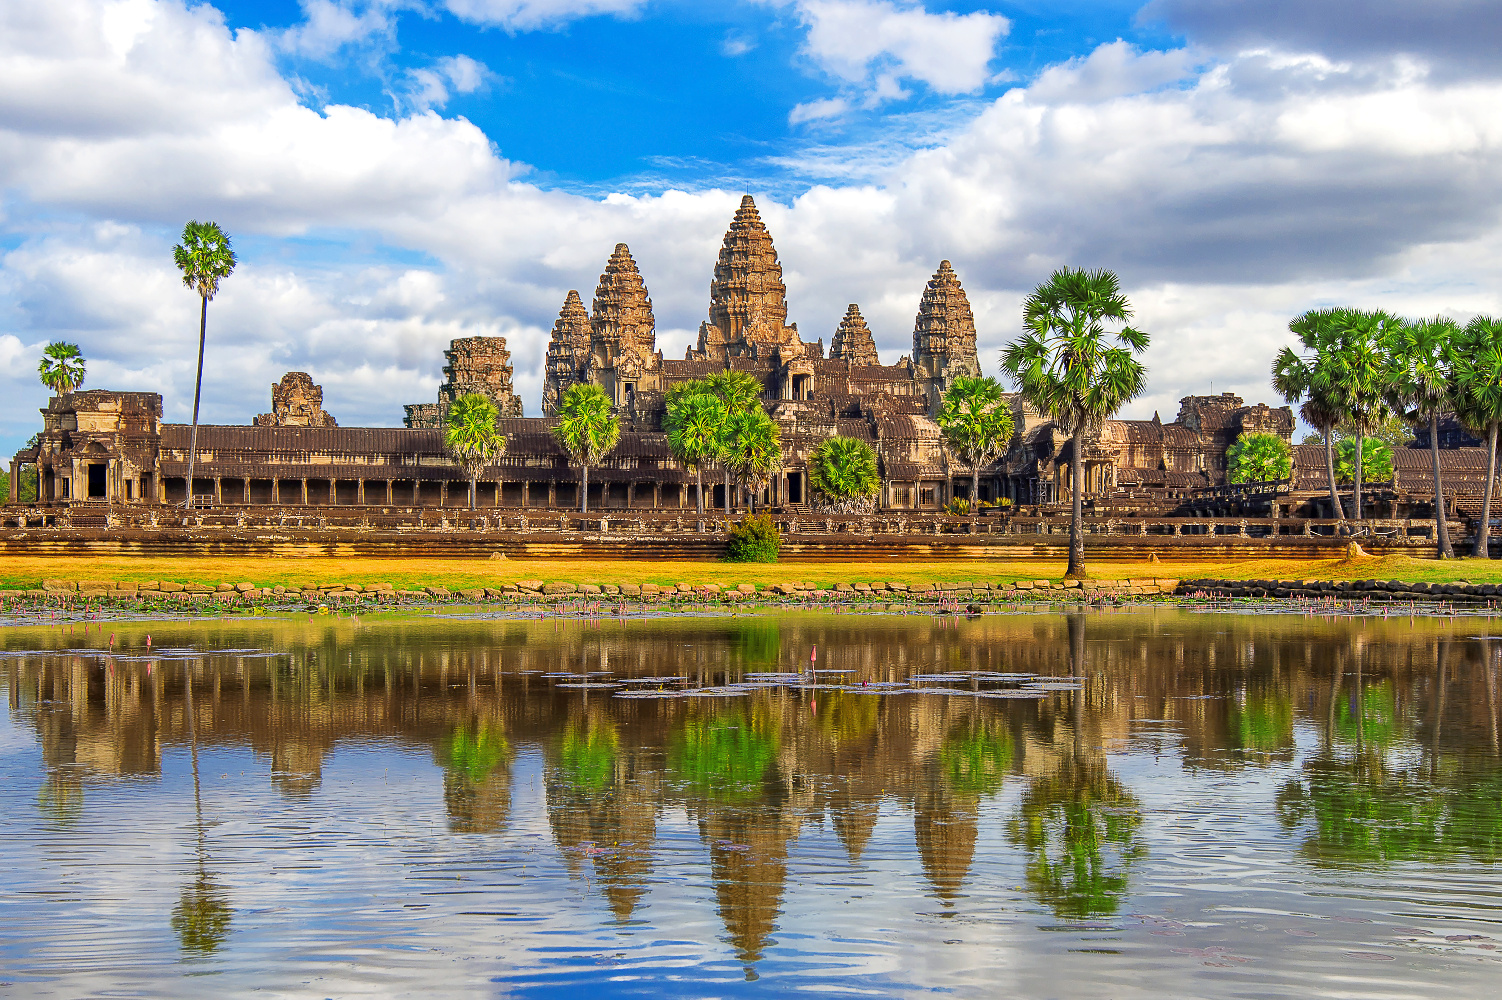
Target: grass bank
{"type": "Point", "coordinates": [27, 572]}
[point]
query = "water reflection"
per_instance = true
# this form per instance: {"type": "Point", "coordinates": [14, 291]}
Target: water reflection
{"type": "Point", "coordinates": [1382, 735]}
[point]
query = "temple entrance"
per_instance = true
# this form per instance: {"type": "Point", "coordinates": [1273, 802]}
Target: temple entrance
{"type": "Point", "coordinates": [96, 481]}
{"type": "Point", "coordinates": [795, 487]}
{"type": "Point", "coordinates": [718, 494]}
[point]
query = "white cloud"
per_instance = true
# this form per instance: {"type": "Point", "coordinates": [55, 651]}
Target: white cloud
{"type": "Point", "coordinates": [329, 25]}
{"type": "Point", "coordinates": [831, 107]}
{"type": "Point", "coordinates": [459, 74]}
{"type": "Point", "coordinates": [1230, 195]}
{"type": "Point", "coordinates": [527, 15]}
{"type": "Point", "coordinates": [876, 44]}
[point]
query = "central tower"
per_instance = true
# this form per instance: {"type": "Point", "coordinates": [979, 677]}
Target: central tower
{"type": "Point", "coordinates": [748, 307]}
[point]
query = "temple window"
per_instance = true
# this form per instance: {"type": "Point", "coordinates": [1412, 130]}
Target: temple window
{"type": "Point", "coordinates": [802, 386]}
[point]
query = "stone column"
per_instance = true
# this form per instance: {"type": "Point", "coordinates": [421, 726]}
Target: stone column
{"type": "Point", "coordinates": [552, 492]}
{"type": "Point", "coordinates": [304, 482]}
{"type": "Point", "coordinates": [656, 495]}
{"type": "Point", "coordinates": [416, 491]}
{"type": "Point", "coordinates": [218, 490]}
{"type": "Point", "coordinates": [15, 481]}
{"type": "Point", "coordinates": [630, 495]}
{"type": "Point", "coordinates": [276, 491]}
{"type": "Point", "coordinates": [247, 491]}
{"type": "Point", "coordinates": [443, 493]}
{"type": "Point", "coordinates": [360, 492]}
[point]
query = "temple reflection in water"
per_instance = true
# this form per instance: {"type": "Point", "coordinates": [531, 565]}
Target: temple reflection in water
{"type": "Point", "coordinates": [1395, 723]}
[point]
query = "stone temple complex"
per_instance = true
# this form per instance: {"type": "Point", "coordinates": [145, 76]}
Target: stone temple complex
{"type": "Point", "coordinates": [113, 446]}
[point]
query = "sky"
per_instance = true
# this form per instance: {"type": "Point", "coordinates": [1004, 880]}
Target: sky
{"type": "Point", "coordinates": [398, 173]}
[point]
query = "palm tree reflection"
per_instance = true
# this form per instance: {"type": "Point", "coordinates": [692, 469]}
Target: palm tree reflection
{"type": "Point", "coordinates": [476, 761]}
{"type": "Point", "coordinates": [201, 917]}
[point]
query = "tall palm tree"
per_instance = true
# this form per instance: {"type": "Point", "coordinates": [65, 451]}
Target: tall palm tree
{"type": "Point", "coordinates": [62, 367]}
{"type": "Point", "coordinates": [587, 429]}
{"type": "Point", "coordinates": [471, 437]}
{"type": "Point", "coordinates": [1076, 372]}
{"type": "Point", "coordinates": [205, 258]}
{"type": "Point", "coordinates": [1359, 374]}
{"type": "Point", "coordinates": [1478, 403]}
{"type": "Point", "coordinates": [753, 448]}
{"type": "Point", "coordinates": [976, 419]}
{"type": "Point", "coordinates": [695, 422]}
{"type": "Point", "coordinates": [739, 391]}
{"type": "Point", "coordinates": [1423, 385]}
{"type": "Point", "coordinates": [1294, 378]}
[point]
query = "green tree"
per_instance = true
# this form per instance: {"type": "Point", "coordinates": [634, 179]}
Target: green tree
{"type": "Point", "coordinates": [205, 258]}
{"type": "Point", "coordinates": [1360, 376]}
{"type": "Point", "coordinates": [586, 429]}
{"type": "Point", "coordinates": [1424, 385]}
{"type": "Point", "coordinates": [1074, 371]}
{"type": "Point", "coordinates": [739, 391]}
{"type": "Point", "coordinates": [62, 367]}
{"type": "Point", "coordinates": [1258, 458]}
{"type": "Point", "coordinates": [1478, 403]}
{"type": "Point", "coordinates": [843, 468]}
{"type": "Point", "coordinates": [752, 447]}
{"type": "Point", "coordinates": [1375, 457]}
{"type": "Point", "coordinates": [694, 423]}
{"type": "Point", "coordinates": [471, 437]}
{"type": "Point", "coordinates": [725, 756]}
{"type": "Point", "coordinates": [1306, 377]}
{"type": "Point", "coordinates": [587, 754]}
{"type": "Point", "coordinates": [976, 419]}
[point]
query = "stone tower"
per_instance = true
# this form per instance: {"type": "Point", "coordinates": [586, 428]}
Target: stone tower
{"type": "Point", "coordinates": [623, 332]}
{"type": "Point", "coordinates": [748, 308]}
{"type": "Point", "coordinates": [943, 335]}
{"type": "Point", "coordinates": [568, 352]}
{"type": "Point", "coordinates": [853, 341]}
{"type": "Point", "coordinates": [296, 402]}
{"type": "Point", "coordinates": [475, 364]}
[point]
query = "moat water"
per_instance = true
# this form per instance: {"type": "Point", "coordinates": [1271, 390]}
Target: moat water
{"type": "Point", "coordinates": [1128, 804]}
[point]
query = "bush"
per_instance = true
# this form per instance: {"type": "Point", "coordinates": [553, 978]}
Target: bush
{"type": "Point", "coordinates": [959, 505]}
{"type": "Point", "coordinates": [843, 468]}
{"type": "Point", "coordinates": [1258, 458]}
{"type": "Point", "coordinates": [754, 539]}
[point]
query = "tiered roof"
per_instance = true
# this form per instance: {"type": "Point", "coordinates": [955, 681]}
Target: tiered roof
{"type": "Point", "coordinates": [853, 340]}
{"type": "Point", "coordinates": [945, 328]}
{"type": "Point", "coordinates": [747, 298]}
{"type": "Point", "coordinates": [622, 319]}
{"type": "Point", "coordinates": [567, 349]}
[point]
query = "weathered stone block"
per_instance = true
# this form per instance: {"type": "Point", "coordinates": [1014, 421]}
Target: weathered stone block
{"type": "Point", "coordinates": [58, 586]}
{"type": "Point", "coordinates": [559, 588]}
{"type": "Point", "coordinates": [632, 590]}
{"type": "Point", "coordinates": [533, 585]}
{"type": "Point", "coordinates": [245, 587]}
{"type": "Point", "coordinates": [473, 594]}
{"type": "Point", "coordinates": [439, 592]}
{"type": "Point", "coordinates": [1024, 585]}
{"type": "Point", "coordinates": [590, 588]}
{"type": "Point", "coordinates": [746, 588]}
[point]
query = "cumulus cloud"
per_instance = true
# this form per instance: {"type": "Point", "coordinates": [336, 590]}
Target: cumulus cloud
{"type": "Point", "coordinates": [328, 26]}
{"type": "Point", "coordinates": [875, 45]}
{"type": "Point", "coordinates": [830, 107]}
{"type": "Point", "coordinates": [527, 15]}
{"type": "Point", "coordinates": [1230, 192]}
{"type": "Point", "coordinates": [459, 74]}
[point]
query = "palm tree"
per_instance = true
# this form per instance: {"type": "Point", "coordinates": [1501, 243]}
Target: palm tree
{"type": "Point", "coordinates": [471, 437]}
{"type": "Point", "coordinates": [844, 468]}
{"type": "Point", "coordinates": [1294, 378]}
{"type": "Point", "coordinates": [977, 423]}
{"type": "Point", "coordinates": [1479, 403]}
{"type": "Point", "coordinates": [739, 392]}
{"type": "Point", "coordinates": [1258, 458]}
{"type": "Point", "coordinates": [587, 430]}
{"type": "Point", "coordinates": [1067, 366]}
{"type": "Point", "coordinates": [1359, 374]}
{"type": "Point", "coordinates": [1424, 385]}
{"type": "Point", "coordinates": [62, 368]}
{"type": "Point", "coordinates": [753, 448]}
{"type": "Point", "coordinates": [205, 258]}
{"type": "Point", "coordinates": [695, 437]}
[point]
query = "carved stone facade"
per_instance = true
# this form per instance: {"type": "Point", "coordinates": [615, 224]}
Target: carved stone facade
{"type": "Point", "coordinates": [475, 365]}
{"type": "Point", "coordinates": [853, 341]}
{"type": "Point", "coordinates": [296, 402]}
{"type": "Point", "coordinates": [568, 352]}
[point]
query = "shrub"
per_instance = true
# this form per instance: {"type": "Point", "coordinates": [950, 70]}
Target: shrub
{"type": "Point", "coordinates": [1258, 458]}
{"type": "Point", "coordinates": [843, 468]}
{"type": "Point", "coordinates": [1376, 461]}
{"type": "Point", "coordinates": [754, 539]}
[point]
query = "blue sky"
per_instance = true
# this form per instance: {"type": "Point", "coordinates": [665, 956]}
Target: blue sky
{"type": "Point", "coordinates": [398, 173]}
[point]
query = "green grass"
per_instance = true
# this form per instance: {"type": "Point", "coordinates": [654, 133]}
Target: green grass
{"type": "Point", "coordinates": [29, 572]}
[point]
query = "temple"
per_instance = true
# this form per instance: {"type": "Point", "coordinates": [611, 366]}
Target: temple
{"type": "Point", "coordinates": [113, 446]}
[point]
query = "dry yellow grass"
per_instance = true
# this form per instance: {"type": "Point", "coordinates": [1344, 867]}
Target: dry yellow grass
{"type": "Point", "coordinates": [28, 572]}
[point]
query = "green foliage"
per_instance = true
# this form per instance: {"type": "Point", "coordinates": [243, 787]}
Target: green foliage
{"type": "Point", "coordinates": [1376, 461]}
{"type": "Point", "coordinates": [695, 425]}
{"type": "Point", "coordinates": [976, 419]}
{"type": "Point", "coordinates": [62, 368]}
{"type": "Point", "coordinates": [474, 752]}
{"type": "Point", "coordinates": [843, 468]}
{"type": "Point", "coordinates": [204, 257]}
{"type": "Point", "coordinates": [1258, 458]}
{"type": "Point", "coordinates": [752, 445]}
{"type": "Point", "coordinates": [201, 918]}
{"type": "Point", "coordinates": [587, 428]}
{"type": "Point", "coordinates": [725, 756]}
{"type": "Point", "coordinates": [738, 390]}
{"type": "Point", "coordinates": [1262, 724]}
{"type": "Point", "coordinates": [974, 759]}
{"type": "Point", "coordinates": [587, 754]}
{"type": "Point", "coordinates": [471, 437]}
{"type": "Point", "coordinates": [1371, 718]}
{"type": "Point", "coordinates": [754, 539]}
{"type": "Point", "coordinates": [28, 491]}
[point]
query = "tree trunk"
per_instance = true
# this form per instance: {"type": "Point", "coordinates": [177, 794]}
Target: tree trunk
{"type": "Point", "coordinates": [1076, 570]}
{"type": "Point", "coordinates": [975, 488]}
{"type": "Point", "coordinates": [203, 328]}
{"type": "Point", "coordinates": [1441, 515]}
{"type": "Point", "coordinates": [1337, 509]}
{"type": "Point", "coordinates": [1360, 450]}
{"type": "Point", "coordinates": [473, 485]}
{"type": "Point", "coordinates": [1484, 529]}
{"type": "Point", "coordinates": [699, 498]}
{"type": "Point", "coordinates": [584, 489]}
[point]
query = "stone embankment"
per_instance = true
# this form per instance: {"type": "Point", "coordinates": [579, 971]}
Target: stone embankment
{"type": "Point", "coordinates": [1358, 590]}
{"type": "Point", "coordinates": [172, 594]}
